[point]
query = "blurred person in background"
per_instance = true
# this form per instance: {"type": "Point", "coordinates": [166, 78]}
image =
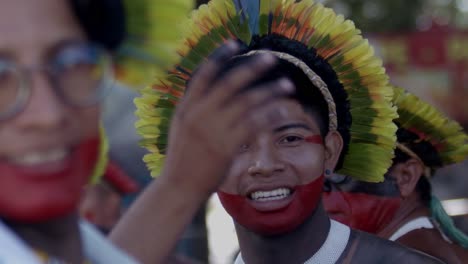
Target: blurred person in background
{"type": "Point", "coordinates": [101, 204]}
{"type": "Point", "coordinates": [118, 118]}
{"type": "Point", "coordinates": [402, 208]}
{"type": "Point", "coordinates": [55, 69]}
{"type": "Point", "coordinates": [53, 73]}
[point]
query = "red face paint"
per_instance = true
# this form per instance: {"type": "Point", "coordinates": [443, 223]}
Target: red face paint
{"type": "Point", "coordinates": [53, 190]}
{"type": "Point", "coordinates": [366, 212]}
{"type": "Point", "coordinates": [315, 139]}
{"type": "Point", "coordinates": [304, 200]}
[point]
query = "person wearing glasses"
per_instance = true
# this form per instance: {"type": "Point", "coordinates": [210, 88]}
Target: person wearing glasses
{"type": "Point", "coordinates": [54, 71]}
{"type": "Point", "coordinates": [101, 204]}
{"type": "Point", "coordinates": [53, 74]}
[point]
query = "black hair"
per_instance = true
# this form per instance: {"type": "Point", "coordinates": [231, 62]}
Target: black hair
{"type": "Point", "coordinates": [311, 100]}
{"type": "Point", "coordinates": [102, 20]}
{"type": "Point", "coordinates": [428, 155]}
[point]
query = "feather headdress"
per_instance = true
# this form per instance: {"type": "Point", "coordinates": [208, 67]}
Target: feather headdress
{"type": "Point", "coordinates": [149, 46]}
{"type": "Point", "coordinates": [431, 125]}
{"type": "Point", "coordinates": [446, 137]}
{"type": "Point", "coordinates": [334, 39]}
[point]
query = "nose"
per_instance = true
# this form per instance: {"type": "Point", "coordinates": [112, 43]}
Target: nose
{"type": "Point", "coordinates": [44, 110]}
{"type": "Point", "coordinates": [265, 162]}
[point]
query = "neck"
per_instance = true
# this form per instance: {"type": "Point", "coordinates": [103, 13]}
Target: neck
{"type": "Point", "coordinates": [297, 246]}
{"type": "Point", "coordinates": [59, 238]}
{"type": "Point", "coordinates": [411, 207]}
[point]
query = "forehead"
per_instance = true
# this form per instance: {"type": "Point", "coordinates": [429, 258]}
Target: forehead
{"type": "Point", "coordinates": [26, 24]}
{"type": "Point", "coordinates": [289, 111]}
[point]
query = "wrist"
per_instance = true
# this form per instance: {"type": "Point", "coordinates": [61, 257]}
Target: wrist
{"type": "Point", "coordinates": [184, 188]}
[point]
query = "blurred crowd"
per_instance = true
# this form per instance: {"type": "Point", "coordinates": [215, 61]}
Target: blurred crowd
{"type": "Point", "coordinates": [46, 57]}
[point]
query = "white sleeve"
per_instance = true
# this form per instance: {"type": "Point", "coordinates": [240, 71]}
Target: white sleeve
{"type": "Point", "coordinates": [13, 250]}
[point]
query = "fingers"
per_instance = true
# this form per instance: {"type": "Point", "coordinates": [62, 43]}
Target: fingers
{"type": "Point", "coordinates": [246, 105]}
{"type": "Point", "coordinates": [204, 76]}
{"type": "Point", "coordinates": [249, 126]}
{"type": "Point", "coordinates": [228, 126]}
{"type": "Point", "coordinates": [238, 78]}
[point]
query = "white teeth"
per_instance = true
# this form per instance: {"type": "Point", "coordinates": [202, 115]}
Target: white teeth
{"type": "Point", "coordinates": [276, 194]}
{"type": "Point", "coordinates": [42, 157]}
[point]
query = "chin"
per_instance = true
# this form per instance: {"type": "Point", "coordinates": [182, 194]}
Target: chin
{"type": "Point", "coordinates": [41, 206]}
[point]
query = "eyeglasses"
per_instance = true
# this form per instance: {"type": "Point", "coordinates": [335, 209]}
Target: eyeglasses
{"type": "Point", "coordinates": [80, 74]}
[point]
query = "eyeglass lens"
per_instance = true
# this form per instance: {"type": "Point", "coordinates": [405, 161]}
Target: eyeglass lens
{"type": "Point", "coordinates": [79, 73]}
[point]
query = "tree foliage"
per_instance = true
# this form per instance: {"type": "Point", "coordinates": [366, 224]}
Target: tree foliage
{"type": "Point", "coordinates": [397, 15]}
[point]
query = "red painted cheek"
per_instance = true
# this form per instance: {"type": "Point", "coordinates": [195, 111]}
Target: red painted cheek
{"type": "Point", "coordinates": [304, 203]}
{"type": "Point", "coordinates": [315, 139]}
{"type": "Point", "coordinates": [29, 196]}
{"type": "Point", "coordinates": [369, 213]}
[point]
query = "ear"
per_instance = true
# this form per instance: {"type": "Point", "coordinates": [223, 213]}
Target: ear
{"type": "Point", "coordinates": [333, 146]}
{"type": "Point", "coordinates": [407, 175]}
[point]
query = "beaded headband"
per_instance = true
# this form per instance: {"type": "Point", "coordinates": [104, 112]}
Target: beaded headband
{"type": "Point", "coordinates": [313, 77]}
{"type": "Point", "coordinates": [409, 152]}
{"type": "Point", "coordinates": [364, 90]}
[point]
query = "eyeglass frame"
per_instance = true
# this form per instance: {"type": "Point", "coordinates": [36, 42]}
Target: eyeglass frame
{"type": "Point", "coordinates": [25, 87]}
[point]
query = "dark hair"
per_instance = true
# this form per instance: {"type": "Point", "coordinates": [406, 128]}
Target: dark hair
{"type": "Point", "coordinates": [311, 100]}
{"type": "Point", "coordinates": [102, 20]}
{"type": "Point", "coordinates": [426, 152]}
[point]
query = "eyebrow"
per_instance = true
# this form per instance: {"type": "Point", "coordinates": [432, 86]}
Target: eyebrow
{"type": "Point", "coordinates": [293, 125]}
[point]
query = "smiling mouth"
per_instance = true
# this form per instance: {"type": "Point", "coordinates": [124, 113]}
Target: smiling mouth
{"type": "Point", "coordinates": [37, 158]}
{"type": "Point", "coordinates": [272, 195]}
